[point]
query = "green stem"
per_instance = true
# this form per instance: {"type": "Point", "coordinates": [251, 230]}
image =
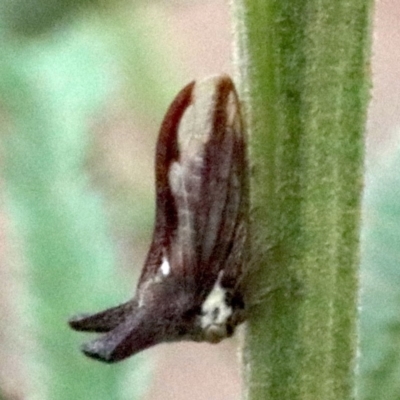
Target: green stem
{"type": "Point", "coordinates": [304, 80]}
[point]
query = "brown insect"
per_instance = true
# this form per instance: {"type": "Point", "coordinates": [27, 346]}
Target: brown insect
{"type": "Point", "coordinates": [191, 283]}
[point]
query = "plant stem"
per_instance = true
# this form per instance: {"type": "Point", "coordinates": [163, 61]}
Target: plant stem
{"type": "Point", "coordinates": [304, 84]}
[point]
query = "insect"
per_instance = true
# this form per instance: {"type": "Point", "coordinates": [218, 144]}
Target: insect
{"type": "Point", "coordinates": [191, 285]}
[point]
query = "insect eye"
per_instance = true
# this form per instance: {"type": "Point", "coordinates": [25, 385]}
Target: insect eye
{"type": "Point", "coordinates": [188, 316]}
{"type": "Point", "coordinates": [229, 299]}
{"type": "Point", "coordinates": [237, 302]}
{"type": "Point", "coordinates": [192, 312]}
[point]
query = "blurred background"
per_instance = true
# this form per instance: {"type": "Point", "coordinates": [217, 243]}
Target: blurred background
{"type": "Point", "coordinates": [84, 85]}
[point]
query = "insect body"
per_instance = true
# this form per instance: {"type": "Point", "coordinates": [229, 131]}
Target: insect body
{"type": "Point", "coordinates": [191, 284]}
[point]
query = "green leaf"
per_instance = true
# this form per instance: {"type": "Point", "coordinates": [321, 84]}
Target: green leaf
{"type": "Point", "coordinates": [51, 89]}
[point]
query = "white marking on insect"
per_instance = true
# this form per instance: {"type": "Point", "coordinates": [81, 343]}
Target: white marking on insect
{"type": "Point", "coordinates": [165, 267]}
{"type": "Point", "coordinates": [177, 182]}
{"type": "Point", "coordinates": [163, 271]}
{"type": "Point", "coordinates": [176, 179]}
{"type": "Point", "coordinates": [233, 119]}
{"type": "Point", "coordinates": [196, 124]}
{"type": "Point", "coordinates": [215, 311]}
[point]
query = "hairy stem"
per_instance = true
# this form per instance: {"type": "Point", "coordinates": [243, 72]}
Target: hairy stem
{"type": "Point", "coordinates": [304, 77]}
